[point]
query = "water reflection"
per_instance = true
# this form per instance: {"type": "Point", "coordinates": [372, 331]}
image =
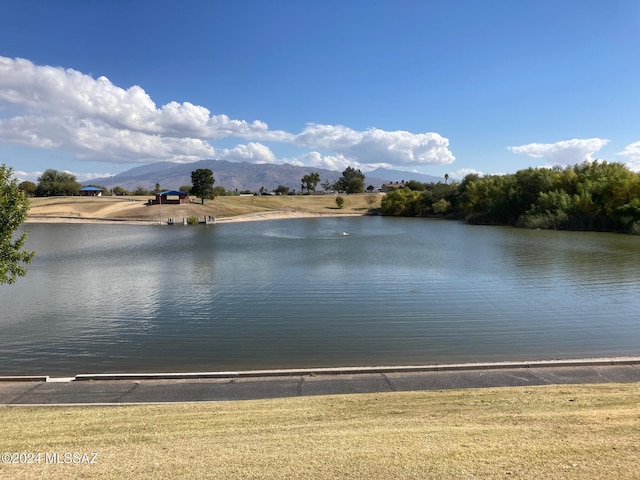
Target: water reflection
{"type": "Point", "coordinates": [296, 293]}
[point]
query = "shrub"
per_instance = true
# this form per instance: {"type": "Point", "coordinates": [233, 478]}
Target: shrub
{"type": "Point", "coordinates": [441, 207]}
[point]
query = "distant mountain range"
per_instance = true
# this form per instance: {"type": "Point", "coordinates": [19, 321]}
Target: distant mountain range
{"type": "Point", "coordinates": [241, 175]}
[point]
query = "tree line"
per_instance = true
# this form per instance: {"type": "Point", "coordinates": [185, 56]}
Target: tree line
{"type": "Point", "coordinates": [594, 195]}
{"type": "Point", "coordinates": [351, 181]}
{"type": "Point", "coordinates": [56, 183]}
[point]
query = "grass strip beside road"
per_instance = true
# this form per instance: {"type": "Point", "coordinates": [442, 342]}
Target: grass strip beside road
{"type": "Point", "coordinates": [551, 432]}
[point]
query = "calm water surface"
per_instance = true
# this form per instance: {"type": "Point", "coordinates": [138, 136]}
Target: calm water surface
{"type": "Point", "coordinates": [296, 293]}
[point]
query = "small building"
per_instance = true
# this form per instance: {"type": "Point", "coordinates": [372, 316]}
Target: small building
{"type": "Point", "coordinates": [90, 192]}
{"type": "Point", "coordinates": [171, 197]}
{"type": "Point", "coordinates": [388, 187]}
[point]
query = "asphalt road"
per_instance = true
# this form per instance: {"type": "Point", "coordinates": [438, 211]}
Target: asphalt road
{"type": "Point", "coordinates": [159, 388]}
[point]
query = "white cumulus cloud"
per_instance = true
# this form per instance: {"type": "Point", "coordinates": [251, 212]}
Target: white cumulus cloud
{"type": "Point", "coordinates": [97, 120]}
{"type": "Point", "coordinates": [252, 152]}
{"type": "Point", "coordinates": [91, 118]}
{"type": "Point", "coordinates": [565, 152]}
{"type": "Point", "coordinates": [22, 176]}
{"type": "Point", "coordinates": [66, 92]}
{"type": "Point", "coordinates": [378, 146]}
{"type": "Point", "coordinates": [632, 152]}
{"type": "Point", "coordinates": [331, 162]}
{"type": "Point", "coordinates": [463, 172]}
{"type": "Point", "coordinates": [96, 141]}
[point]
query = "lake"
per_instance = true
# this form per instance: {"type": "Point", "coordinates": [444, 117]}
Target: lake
{"type": "Point", "coordinates": [298, 293]}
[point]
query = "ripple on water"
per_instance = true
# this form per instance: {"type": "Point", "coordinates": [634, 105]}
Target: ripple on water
{"type": "Point", "coordinates": [296, 293]}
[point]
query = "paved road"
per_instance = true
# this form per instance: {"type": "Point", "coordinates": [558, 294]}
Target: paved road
{"type": "Point", "coordinates": [245, 386]}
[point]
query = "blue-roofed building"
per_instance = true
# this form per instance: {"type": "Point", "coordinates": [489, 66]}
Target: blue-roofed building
{"type": "Point", "coordinates": [171, 197]}
{"type": "Point", "coordinates": [90, 192]}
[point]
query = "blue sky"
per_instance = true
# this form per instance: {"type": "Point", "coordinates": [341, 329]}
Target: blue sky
{"type": "Point", "coordinates": [97, 87]}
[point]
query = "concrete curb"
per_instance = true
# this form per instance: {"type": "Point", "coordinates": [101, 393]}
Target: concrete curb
{"type": "Point", "coordinates": [588, 362]}
{"type": "Point", "coordinates": [25, 378]}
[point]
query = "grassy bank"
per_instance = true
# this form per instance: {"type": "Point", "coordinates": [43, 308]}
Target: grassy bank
{"type": "Point", "coordinates": [551, 432]}
{"type": "Point", "coordinates": [134, 208]}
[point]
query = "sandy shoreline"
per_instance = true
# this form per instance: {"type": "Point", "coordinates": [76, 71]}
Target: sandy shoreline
{"type": "Point", "coordinates": [249, 217]}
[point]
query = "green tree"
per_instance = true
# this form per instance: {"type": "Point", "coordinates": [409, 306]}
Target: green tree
{"type": "Point", "coordinates": [345, 183]}
{"type": "Point", "coordinates": [529, 184]}
{"type": "Point", "coordinates": [14, 208]}
{"type": "Point", "coordinates": [402, 202]}
{"type": "Point", "coordinates": [355, 185]}
{"type": "Point", "coordinates": [202, 180]}
{"type": "Point", "coordinates": [310, 181]}
{"type": "Point", "coordinates": [593, 195]}
{"type": "Point", "coordinates": [488, 199]}
{"type": "Point", "coordinates": [186, 189]}
{"type": "Point", "coordinates": [29, 188]}
{"type": "Point", "coordinates": [416, 185]}
{"type": "Point", "coordinates": [282, 190]}
{"type": "Point", "coordinates": [118, 190]}
{"type": "Point", "coordinates": [441, 207]}
{"type": "Point", "coordinates": [339, 201]}
{"type": "Point", "coordinates": [52, 182]}
{"type": "Point", "coordinates": [219, 191]}
{"type": "Point", "coordinates": [549, 211]}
